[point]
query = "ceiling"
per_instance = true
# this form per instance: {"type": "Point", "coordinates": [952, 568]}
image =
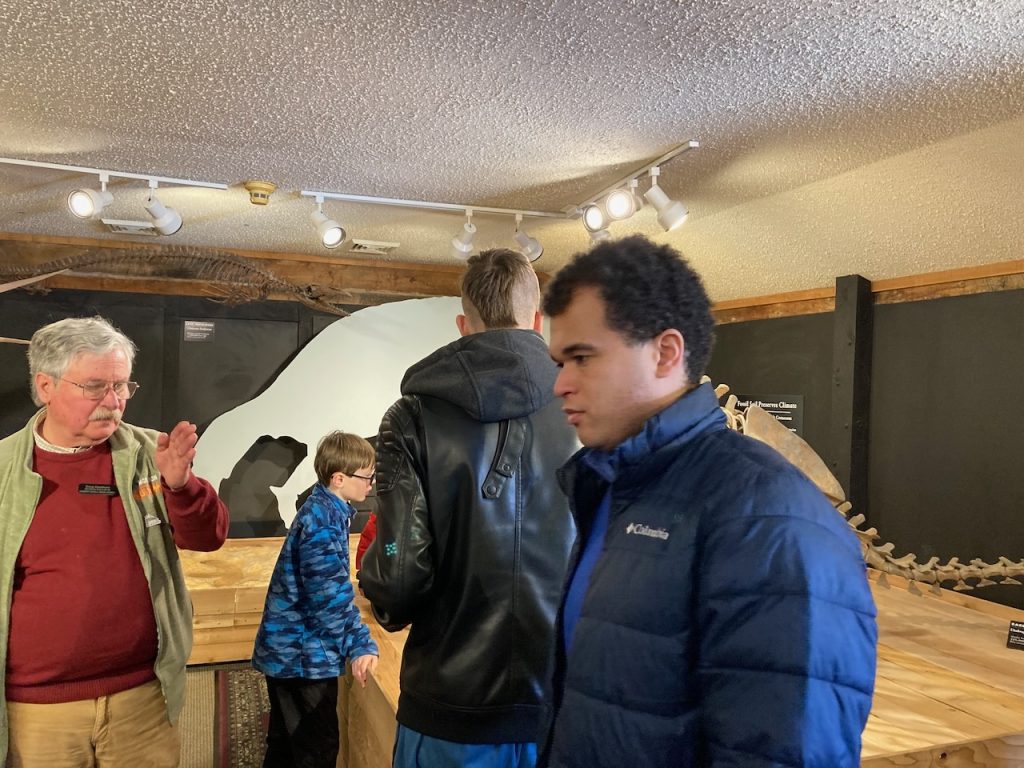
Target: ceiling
{"type": "Point", "coordinates": [880, 137]}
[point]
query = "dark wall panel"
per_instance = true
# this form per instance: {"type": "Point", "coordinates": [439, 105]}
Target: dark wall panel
{"type": "Point", "coordinates": [238, 361]}
{"type": "Point", "coordinates": [784, 356]}
{"type": "Point", "coordinates": [22, 314]}
{"type": "Point", "coordinates": [947, 429]}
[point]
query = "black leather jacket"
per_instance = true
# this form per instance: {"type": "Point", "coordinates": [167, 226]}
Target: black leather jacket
{"type": "Point", "coordinates": [473, 535]}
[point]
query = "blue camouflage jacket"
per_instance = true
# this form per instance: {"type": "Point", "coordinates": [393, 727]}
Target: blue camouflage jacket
{"type": "Point", "coordinates": [310, 624]}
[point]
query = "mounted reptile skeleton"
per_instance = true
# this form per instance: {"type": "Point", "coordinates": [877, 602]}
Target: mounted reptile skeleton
{"type": "Point", "coordinates": [227, 277]}
{"type": "Point", "coordinates": [761, 425]}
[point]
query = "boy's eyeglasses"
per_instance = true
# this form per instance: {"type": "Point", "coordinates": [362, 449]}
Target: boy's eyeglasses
{"type": "Point", "coordinates": [369, 479]}
{"type": "Point", "coordinates": [98, 390]}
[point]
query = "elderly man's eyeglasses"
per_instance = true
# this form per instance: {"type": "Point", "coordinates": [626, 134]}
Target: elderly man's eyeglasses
{"type": "Point", "coordinates": [97, 390]}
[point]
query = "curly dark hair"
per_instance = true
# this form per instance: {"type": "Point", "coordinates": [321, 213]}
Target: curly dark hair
{"type": "Point", "coordinates": [647, 288]}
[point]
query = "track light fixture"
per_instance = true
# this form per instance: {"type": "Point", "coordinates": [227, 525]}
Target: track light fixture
{"type": "Point", "coordinates": [88, 203]}
{"type": "Point", "coordinates": [331, 233]}
{"type": "Point", "coordinates": [594, 218]}
{"type": "Point", "coordinates": [462, 243]}
{"type": "Point", "coordinates": [599, 234]}
{"type": "Point", "coordinates": [530, 247]}
{"type": "Point", "coordinates": [166, 220]}
{"type": "Point", "coordinates": [671, 213]}
{"type": "Point", "coordinates": [620, 204]}
{"type": "Point", "coordinates": [622, 199]}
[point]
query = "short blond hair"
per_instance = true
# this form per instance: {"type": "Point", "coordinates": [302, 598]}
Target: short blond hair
{"type": "Point", "coordinates": [342, 452]}
{"type": "Point", "coordinates": [500, 290]}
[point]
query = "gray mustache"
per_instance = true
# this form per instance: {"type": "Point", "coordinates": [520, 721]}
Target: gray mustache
{"type": "Point", "coordinates": [103, 414]}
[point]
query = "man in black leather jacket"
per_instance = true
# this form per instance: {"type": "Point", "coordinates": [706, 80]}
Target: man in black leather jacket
{"type": "Point", "coordinates": [473, 534]}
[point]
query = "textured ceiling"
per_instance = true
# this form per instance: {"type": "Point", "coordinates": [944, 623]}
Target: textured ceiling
{"type": "Point", "coordinates": [883, 137]}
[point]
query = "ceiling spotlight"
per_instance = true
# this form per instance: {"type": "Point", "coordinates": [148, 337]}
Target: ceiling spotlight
{"type": "Point", "coordinates": [528, 246]}
{"type": "Point", "coordinates": [620, 204]}
{"type": "Point", "coordinates": [671, 213]}
{"type": "Point", "coordinates": [331, 233]}
{"type": "Point", "coordinates": [166, 220]}
{"type": "Point", "coordinates": [594, 218]}
{"type": "Point", "coordinates": [89, 203]}
{"type": "Point", "coordinates": [462, 243]}
{"type": "Point", "coordinates": [599, 234]}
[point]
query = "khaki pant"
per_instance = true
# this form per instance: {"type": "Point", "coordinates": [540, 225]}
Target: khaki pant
{"type": "Point", "coordinates": [125, 730]}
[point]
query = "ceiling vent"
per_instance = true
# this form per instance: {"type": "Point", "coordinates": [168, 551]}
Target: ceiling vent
{"type": "Point", "coordinates": [125, 227]}
{"type": "Point", "coordinates": [372, 247]}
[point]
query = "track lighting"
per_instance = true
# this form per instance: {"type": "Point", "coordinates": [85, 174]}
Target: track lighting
{"type": "Point", "coordinates": [530, 247]}
{"type": "Point", "coordinates": [594, 218]}
{"type": "Point", "coordinates": [166, 220]}
{"type": "Point", "coordinates": [88, 203]}
{"type": "Point", "coordinates": [620, 204]}
{"type": "Point", "coordinates": [331, 233]}
{"type": "Point", "coordinates": [671, 213]}
{"type": "Point", "coordinates": [599, 234]}
{"type": "Point", "coordinates": [462, 243]}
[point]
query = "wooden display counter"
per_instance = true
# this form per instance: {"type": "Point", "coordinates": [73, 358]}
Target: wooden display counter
{"type": "Point", "coordinates": [948, 691]}
{"type": "Point", "coordinates": [228, 588]}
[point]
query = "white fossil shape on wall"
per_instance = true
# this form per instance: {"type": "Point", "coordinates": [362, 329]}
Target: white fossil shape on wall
{"type": "Point", "coordinates": [345, 378]}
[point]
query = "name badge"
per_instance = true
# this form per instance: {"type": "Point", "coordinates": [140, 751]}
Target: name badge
{"type": "Point", "coordinates": [97, 489]}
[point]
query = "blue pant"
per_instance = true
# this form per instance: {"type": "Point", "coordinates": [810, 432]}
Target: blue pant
{"type": "Point", "coordinates": [414, 750]}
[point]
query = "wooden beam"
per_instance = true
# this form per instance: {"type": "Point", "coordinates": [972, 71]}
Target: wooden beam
{"type": "Point", "coordinates": [852, 326]}
{"type": "Point", "coordinates": [368, 282]}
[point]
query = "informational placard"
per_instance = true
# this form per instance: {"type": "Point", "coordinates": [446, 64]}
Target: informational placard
{"type": "Point", "coordinates": [199, 330]}
{"type": "Point", "coordinates": [788, 409]}
{"type": "Point", "coordinates": [1016, 637]}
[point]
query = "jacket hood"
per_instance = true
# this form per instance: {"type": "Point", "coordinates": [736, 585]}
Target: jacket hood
{"type": "Point", "coordinates": [492, 376]}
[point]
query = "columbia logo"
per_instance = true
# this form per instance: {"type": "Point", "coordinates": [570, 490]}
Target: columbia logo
{"type": "Point", "coordinates": [643, 530]}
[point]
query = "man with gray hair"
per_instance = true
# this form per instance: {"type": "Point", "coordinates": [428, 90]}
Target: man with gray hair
{"type": "Point", "coordinates": [97, 626]}
{"type": "Point", "coordinates": [473, 534]}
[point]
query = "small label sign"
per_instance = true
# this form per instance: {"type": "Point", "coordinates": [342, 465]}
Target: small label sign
{"type": "Point", "coordinates": [1016, 637]}
{"type": "Point", "coordinates": [199, 330]}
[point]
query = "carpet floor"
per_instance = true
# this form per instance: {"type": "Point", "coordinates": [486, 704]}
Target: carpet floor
{"type": "Point", "coordinates": [224, 722]}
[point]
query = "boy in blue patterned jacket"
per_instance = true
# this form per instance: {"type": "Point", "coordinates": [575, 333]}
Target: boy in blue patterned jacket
{"type": "Point", "coordinates": [310, 625]}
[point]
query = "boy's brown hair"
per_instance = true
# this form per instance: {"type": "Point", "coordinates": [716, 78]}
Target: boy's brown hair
{"type": "Point", "coordinates": [500, 289]}
{"type": "Point", "coordinates": [342, 452]}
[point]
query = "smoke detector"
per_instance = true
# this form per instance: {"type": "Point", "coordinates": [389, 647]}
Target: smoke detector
{"type": "Point", "coordinates": [372, 247]}
{"type": "Point", "coordinates": [259, 191]}
{"type": "Point", "coordinates": [126, 227]}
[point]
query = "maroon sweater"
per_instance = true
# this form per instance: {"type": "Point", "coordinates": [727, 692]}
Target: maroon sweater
{"type": "Point", "coordinates": [82, 622]}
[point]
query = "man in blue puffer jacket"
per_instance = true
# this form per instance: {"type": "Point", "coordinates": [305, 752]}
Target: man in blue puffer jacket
{"type": "Point", "coordinates": [717, 611]}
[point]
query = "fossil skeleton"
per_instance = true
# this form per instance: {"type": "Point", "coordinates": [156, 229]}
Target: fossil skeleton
{"type": "Point", "coordinates": [760, 425]}
{"type": "Point", "coordinates": [228, 278]}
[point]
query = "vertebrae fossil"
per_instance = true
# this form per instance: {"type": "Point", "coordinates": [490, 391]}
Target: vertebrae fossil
{"type": "Point", "coordinates": [228, 278]}
{"type": "Point", "coordinates": [757, 423]}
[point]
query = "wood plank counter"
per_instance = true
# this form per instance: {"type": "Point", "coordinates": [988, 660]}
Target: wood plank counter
{"type": "Point", "coordinates": [948, 691]}
{"type": "Point", "coordinates": [228, 588]}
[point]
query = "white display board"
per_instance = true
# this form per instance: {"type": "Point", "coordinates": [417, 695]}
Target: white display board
{"type": "Point", "coordinates": [345, 378]}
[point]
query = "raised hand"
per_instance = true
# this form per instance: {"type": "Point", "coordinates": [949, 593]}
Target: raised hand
{"type": "Point", "coordinates": [174, 454]}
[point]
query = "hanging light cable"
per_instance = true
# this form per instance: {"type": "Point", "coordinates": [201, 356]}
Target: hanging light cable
{"type": "Point", "coordinates": [530, 247]}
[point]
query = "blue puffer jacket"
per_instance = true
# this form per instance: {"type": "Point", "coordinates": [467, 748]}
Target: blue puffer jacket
{"type": "Point", "coordinates": [728, 620]}
{"type": "Point", "coordinates": [310, 625]}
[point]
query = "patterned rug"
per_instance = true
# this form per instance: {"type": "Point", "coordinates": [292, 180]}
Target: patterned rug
{"type": "Point", "coordinates": [224, 723]}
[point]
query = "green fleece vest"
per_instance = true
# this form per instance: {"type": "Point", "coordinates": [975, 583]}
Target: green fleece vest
{"type": "Point", "coordinates": [138, 483]}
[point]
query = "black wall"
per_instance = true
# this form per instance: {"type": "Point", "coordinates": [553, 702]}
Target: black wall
{"type": "Point", "coordinates": [946, 426]}
{"type": "Point", "coordinates": [784, 356]}
{"type": "Point", "coordinates": [947, 429]}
